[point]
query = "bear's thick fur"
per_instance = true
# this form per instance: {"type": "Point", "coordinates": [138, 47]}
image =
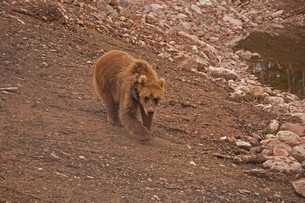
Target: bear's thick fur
{"type": "Point", "coordinates": [126, 86]}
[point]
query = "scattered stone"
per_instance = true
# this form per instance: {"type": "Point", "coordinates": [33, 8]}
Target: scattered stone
{"type": "Point", "coordinates": [156, 6]}
{"type": "Point", "coordinates": [273, 100]}
{"type": "Point", "coordinates": [277, 14]}
{"type": "Point", "coordinates": [283, 165]}
{"type": "Point", "coordinates": [298, 152]}
{"type": "Point", "coordinates": [205, 2]}
{"type": "Point", "coordinates": [299, 186]}
{"type": "Point", "coordinates": [269, 136]}
{"type": "Point", "coordinates": [192, 163]}
{"type": "Point", "coordinates": [243, 191]}
{"type": "Point", "coordinates": [260, 158]}
{"type": "Point", "coordinates": [222, 73]}
{"type": "Point", "coordinates": [281, 149]}
{"type": "Point", "coordinates": [288, 137]}
{"type": "Point", "coordinates": [155, 197]}
{"type": "Point", "coordinates": [188, 62]}
{"type": "Point", "coordinates": [196, 8]}
{"type": "Point", "coordinates": [164, 55]}
{"type": "Point", "coordinates": [222, 156]}
{"type": "Point", "coordinates": [233, 21]}
{"type": "Point", "coordinates": [298, 129]}
{"type": "Point", "coordinates": [242, 144]}
{"type": "Point", "coordinates": [303, 164]}
{"type": "Point", "coordinates": [274, 125]}
{"type": "Point", "coordinates": [266, 190]}
{"type": "Point", "coordinates": [9, 89]}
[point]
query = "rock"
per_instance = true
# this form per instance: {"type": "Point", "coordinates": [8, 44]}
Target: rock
{"type": "Point", "coordinates": [151, 18]}
{"type": "Point", "coordinates": [273, 100]}
{"type": "Point", "coordinates": [302, 140]}
{"type": "Point", "coordinates": [298, 129]}
{"type": "Point", "coordinates": [196, 8]}
{"type": "Point", "coordinates": [300, 115]}
{"type": "Point", "coordinates": [188, 62]}
{"type": "Point", "coordinates": [298, 152]}
{"type": "Point", "coordinates": [252, 141]}
{"type": "Point", "coordinates": [237, 95]}
{"type": "Point", "coordinates": [156, 6]}
{"type": "Point", "coordinates": [277, 14]}
{"type": "Point", "coordinates": [9, 89]}
{"type": "Point", "coordinates": [303, 164]}
{"type": "Point", "coordinates": [281, 149]}
{"type": "Point", "coordinates": [185, 26]}
{"type": "Point", "coordinates": [283, 164]}
{"type": "Point", "coordinates": [295, 106]}
{"type": "Point", "coordinates": [222, 73]}
{"type": "Point", "coordinates": [269, 136]}
{"type": "Point", "coordinates": [196, 40]}
{"type": "Point", "coordinates": [246, 55]}
{"type": "Point", "coordinates": [205, 2]}
{"type": "Point", "coordinates": [279, 109]}
{"type": "Point", "coordinates": [274, 125]}
{"type": "Point", "coordinates": [256, 150]}
{"type": "Point", "coordinates": [231, 20]}
{"type": "Point", "coordinates": [165, 55]}
{"type": "Point", "coordinates": [266, 190]}
{"type": "Point", "coordinates": [242, 144]}
{"type": "Point", "coordinates": [181, 16]}
{"type": "Point", "coordinates": [244, 192]}
{"type": "Point", "coordinates": [271, 143]}
{"type": "Point", "coordinates": [248, 92]}
{"type": "Point", "coordinates": [299, 186]}
{"type": "Point", "coordinates": [288, 137]}
{"type": "Point", "coordinates": [192, 163]}
{"type": "Point", "coordinates": [155, 197]}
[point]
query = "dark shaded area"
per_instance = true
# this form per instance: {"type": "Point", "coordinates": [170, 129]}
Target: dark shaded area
{"type": "Point", "coordinates": [275, 75]}
{"type": "Point", "coordinates": [283, 63]}
{"type": "Point", "coordinates": [288, 48]}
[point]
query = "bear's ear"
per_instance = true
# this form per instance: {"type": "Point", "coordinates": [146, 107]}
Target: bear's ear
{"type": "Point", "coordinates": [161, 82]}
{"type": "Point", "coordinates": [142, 79]}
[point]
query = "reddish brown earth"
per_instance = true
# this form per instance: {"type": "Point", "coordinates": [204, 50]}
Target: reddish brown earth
{"type": "Point", "coordinates": [56, 145]}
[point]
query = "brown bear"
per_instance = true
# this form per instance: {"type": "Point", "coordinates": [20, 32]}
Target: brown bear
{"type": "Point", "coordinates": [126, 86]}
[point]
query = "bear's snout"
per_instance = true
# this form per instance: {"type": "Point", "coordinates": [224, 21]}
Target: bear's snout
{"type": "Point", "coordinates": [150, 111]}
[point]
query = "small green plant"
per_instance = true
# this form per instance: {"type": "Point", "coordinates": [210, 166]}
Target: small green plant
{"type": "Point", "coordinates": [267, 130]}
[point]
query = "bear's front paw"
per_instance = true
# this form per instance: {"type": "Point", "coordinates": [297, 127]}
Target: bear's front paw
{"type": "Point", "coordinates": [114, 122]}
{"type": "Point", "coordinates": [145, 135]}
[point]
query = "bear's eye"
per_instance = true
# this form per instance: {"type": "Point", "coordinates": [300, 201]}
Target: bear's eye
{"type": "Point", "coordinates": [156, 100]}
{"type": "Point", "coordinates": [146, 99]}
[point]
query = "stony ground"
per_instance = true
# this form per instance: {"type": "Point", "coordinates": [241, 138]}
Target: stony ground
{"type": "Point", "coordinates": [56, 145]}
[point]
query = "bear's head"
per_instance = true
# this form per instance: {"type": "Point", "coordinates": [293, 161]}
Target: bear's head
{"type": "Point", "coordinates": [149, 93]}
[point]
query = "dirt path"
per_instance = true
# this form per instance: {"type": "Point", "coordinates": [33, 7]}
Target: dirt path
{"type": "Point", "coordinates": [56, 145]}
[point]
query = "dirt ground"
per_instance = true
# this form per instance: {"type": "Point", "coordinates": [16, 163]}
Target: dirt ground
{"type": "Point", "coordinates": [56, 145]}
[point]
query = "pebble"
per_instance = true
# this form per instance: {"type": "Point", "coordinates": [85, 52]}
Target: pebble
{"type": "Point", "coordinates": [192, 163]}
{"type": "Point", "coordinates": [274, 125]}
{"type": "Point", "coordinates": [155, 197]}
{"type": "Point", "coordinates": [242, 144]}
